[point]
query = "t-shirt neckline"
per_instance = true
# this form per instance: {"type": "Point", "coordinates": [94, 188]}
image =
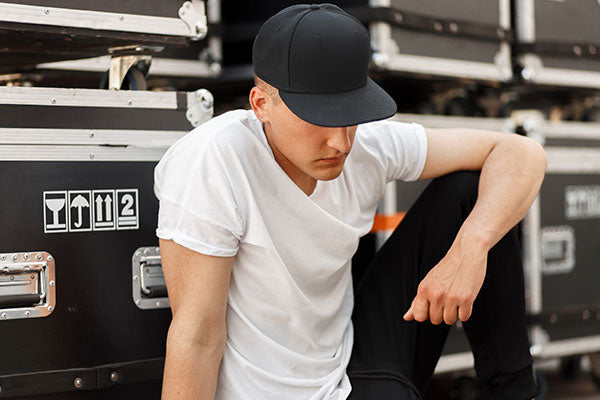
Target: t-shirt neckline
{"type": "Point", "coordinates": [265, 142]}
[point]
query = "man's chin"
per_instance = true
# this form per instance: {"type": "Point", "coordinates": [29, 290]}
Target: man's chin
{"type": "Point", "coordinates": [328, 174]}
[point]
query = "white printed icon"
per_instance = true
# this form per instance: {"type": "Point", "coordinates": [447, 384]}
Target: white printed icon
{"type": "Point", "coordinates": [90, 210]}
{"type": "Point", "coordinates": [127, 209]}
{"type": "Point", "coordinates": [56, 219]}
{"type": "Point", "coordinates": [104, 219]}
{"type": "Point", "coordinates": [80, 212]}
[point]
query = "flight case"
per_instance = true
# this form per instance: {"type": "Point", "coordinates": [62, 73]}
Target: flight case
{"type": "Point", "coordinates": [432, 38]}
{"type": "Point", "coordinates": [37, 31]}
{"type": "Point", "coordinates": [561, 233]}
{"type": "Point", "coordinates": [200, 59]}
{"type": "Point", "coordinates": [458, 38]}
{"type": "Point", "coordinates": [83, 306]}
{"type": "Point", "coordinates": [559, 42]}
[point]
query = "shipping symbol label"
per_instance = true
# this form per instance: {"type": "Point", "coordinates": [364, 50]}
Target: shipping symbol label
{"type": "Point", "coordinates": [55, 211]}
{"type": "Point", "coordinates": [127, 209]}
{"type": "Point", "coordinates": [104, 210]}
{"type": "Point", "coordinates": [80, 210]}
{"type": "Point", "coordinates": [90, 210]}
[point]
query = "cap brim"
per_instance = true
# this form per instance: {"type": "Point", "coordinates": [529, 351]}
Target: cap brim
{"type": "Point", "coordinates": [358, 106]}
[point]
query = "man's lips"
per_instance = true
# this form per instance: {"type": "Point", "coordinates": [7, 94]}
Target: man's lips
{"type": "Point", "coordinates": [333, 160]}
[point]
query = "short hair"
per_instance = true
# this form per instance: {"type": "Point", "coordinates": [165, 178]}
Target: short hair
{"type": "Point", "coordinates": [271, 91]}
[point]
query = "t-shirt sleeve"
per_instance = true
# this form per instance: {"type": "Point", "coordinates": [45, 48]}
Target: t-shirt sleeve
{"type": "Point", "coordinates": [197, 205]}
{"type": "Point", "coordinates": [401, 148]}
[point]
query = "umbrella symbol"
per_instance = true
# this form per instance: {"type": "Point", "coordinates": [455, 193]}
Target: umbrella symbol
{"type": "Point", "coordinates": [79, 202]}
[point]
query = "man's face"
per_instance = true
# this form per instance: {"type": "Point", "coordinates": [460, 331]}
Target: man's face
{"type": "Point", "coordinates": [302, 149]}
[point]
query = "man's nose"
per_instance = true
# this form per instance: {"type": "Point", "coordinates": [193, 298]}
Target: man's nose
{"type": "Point", "coordinates": [339, 139]}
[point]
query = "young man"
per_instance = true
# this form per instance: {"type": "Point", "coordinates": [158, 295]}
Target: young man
{"type": "Point", "coordinates": [262, 210]}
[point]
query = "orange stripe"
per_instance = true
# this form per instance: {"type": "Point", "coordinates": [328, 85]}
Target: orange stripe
{"type": "Point", "coordinates": [386, 222]}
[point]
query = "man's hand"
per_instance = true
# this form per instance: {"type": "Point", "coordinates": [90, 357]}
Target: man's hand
{"type": "Point", "coordinates": [512, 169]}
{"type": "Point", "coordinates": [450, 288]}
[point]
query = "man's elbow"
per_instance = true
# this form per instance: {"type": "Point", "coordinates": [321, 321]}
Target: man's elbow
{"type": "Point", "coordinates": [207, 335]}
{"type": "Point", "coordinates": [535, 156]}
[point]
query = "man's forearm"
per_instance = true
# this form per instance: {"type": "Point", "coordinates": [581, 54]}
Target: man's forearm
{"type": "Point", "coordinates": [510, 180]}
{"type": "Point", "coordinates": [191, 368]}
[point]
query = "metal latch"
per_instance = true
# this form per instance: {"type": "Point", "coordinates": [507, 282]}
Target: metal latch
{"type": "Point", "coordinates": [193, 13]}
{"type": "Point", "coordinates": [27, 285]}
{"type": "Point", "coordinates": [558, 249]}
{"type": "Point", "coordinates": [148, 281]}
{"type": "Point", "coordinates": [199, 107]}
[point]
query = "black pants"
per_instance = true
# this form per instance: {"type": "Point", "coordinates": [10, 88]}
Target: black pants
{"type": "Point", "coordinates": [395, 359]}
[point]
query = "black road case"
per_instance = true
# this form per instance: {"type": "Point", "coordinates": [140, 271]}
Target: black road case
{"type": "Point", "coordinates": [37, 31]}
{"type": "Point", "coordinates": [174, 66]}
{"type": "Point", "coordinates": [562, 236]}
{"type": "Point", "coordinates": [458, 38]}
{"type": "Point", "coordinates": [559, 42]}
{"type": "Point", "coordinates": [431, 38]}
{"type": "Point", "coordinates": [83, 309]}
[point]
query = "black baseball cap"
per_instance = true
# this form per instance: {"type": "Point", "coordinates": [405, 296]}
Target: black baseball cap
{"type": "Point", "coordinates": [318, 57]}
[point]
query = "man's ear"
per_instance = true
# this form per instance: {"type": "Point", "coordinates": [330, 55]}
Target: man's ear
{"type": "Point", "coordinates": [259, 102]}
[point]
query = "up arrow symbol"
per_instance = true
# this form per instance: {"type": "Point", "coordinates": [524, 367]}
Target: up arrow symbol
{"type": "Point", "coordinates": [108, 201]}
{"type": "Point", "coordinates": [98, 208]}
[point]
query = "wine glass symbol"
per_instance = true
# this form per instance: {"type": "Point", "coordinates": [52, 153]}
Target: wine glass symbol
{"type": "Point", "coordinates": [55, 205]}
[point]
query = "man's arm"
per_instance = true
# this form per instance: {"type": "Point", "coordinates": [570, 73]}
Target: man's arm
{"type": "Point", "coordinates": [512, 169]}
{"type": "Point", "coordinates": [198, 285]}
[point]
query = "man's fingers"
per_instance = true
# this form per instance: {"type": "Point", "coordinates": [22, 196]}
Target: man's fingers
{"type": "Point", "coordinates": [450, 315]}
{"type": "Point", "coordinates": [464, 312]}
{"type": "Point", "coordinates": [420, 308]}
{"type": "Point", "coordinates": [409, 316]}
{"type": "Point", "coordinates": [436, 313]}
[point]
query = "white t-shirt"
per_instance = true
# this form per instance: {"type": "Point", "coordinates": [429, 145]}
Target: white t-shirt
{"type": "Point", "coordinates": [221, 192]}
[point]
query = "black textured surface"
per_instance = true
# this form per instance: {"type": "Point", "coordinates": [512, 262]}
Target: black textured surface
{"type": "Point", "coordinates": [95, 321]}
{"type": "Point", "coordinates": [580, 286]}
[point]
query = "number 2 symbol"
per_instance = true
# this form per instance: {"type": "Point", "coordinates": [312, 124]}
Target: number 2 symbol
{"type": "Point", "coordinates": [127, 210]}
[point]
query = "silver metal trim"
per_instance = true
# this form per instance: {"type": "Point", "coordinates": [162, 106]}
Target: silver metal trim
{"type": "Point", "coordinates": [531, 121]}
{"type": "Point", "coordinates": [504, 13]}
{"type": "Point", "coordinates": [34, 260]}
{"type": "Point", "coordinates": [79, 153]}
{"type": "Point", "coordinates": [140, 256]}
{"type": "Point", "coordinates": [571, 130]}
{"type": "Point", "coordinates": [454, 362]}
{"type": "Point", "coordinates": [87, 98]}
{"type": "Point", "coordinates": [534, 71]}
{"type": "Point", "coordinates": [532, 269]}
{"type": "Point", "coordinates": [567, 347]}
{"type": "Point", "coordinates": [380, 3]}
{"type": "Point", "coordinates": [94, 137]}
{"type": "Point", "coordinates": [160, 66]}
{"type": "Point", "coordinates": [200, 107]}
{"type": "Point", "coordinates": [446, 67]}
{"type": "Point", "coordinates": [120, 65]}
{"type": "Point", "coordinates": [550, 350]}
{"type": "Point", "coordinates": [193, 13]}
{"type": "Point", "coordinates": [532, 257]}
{"type": "Point", "coordinates": [525, 21]}
{"type": "Point", "coordinates": [96, 20]}
{"type": "Point", "coordinates": [573, 160]}
{"type": "Point", "coordinates": [387, 206]}
{"type": "Point", "coordinates": [441, 121]}
{"type": "Point", "coordinates": [562, 234]}
{"type": "Point", "coordinates": [213, 11]}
